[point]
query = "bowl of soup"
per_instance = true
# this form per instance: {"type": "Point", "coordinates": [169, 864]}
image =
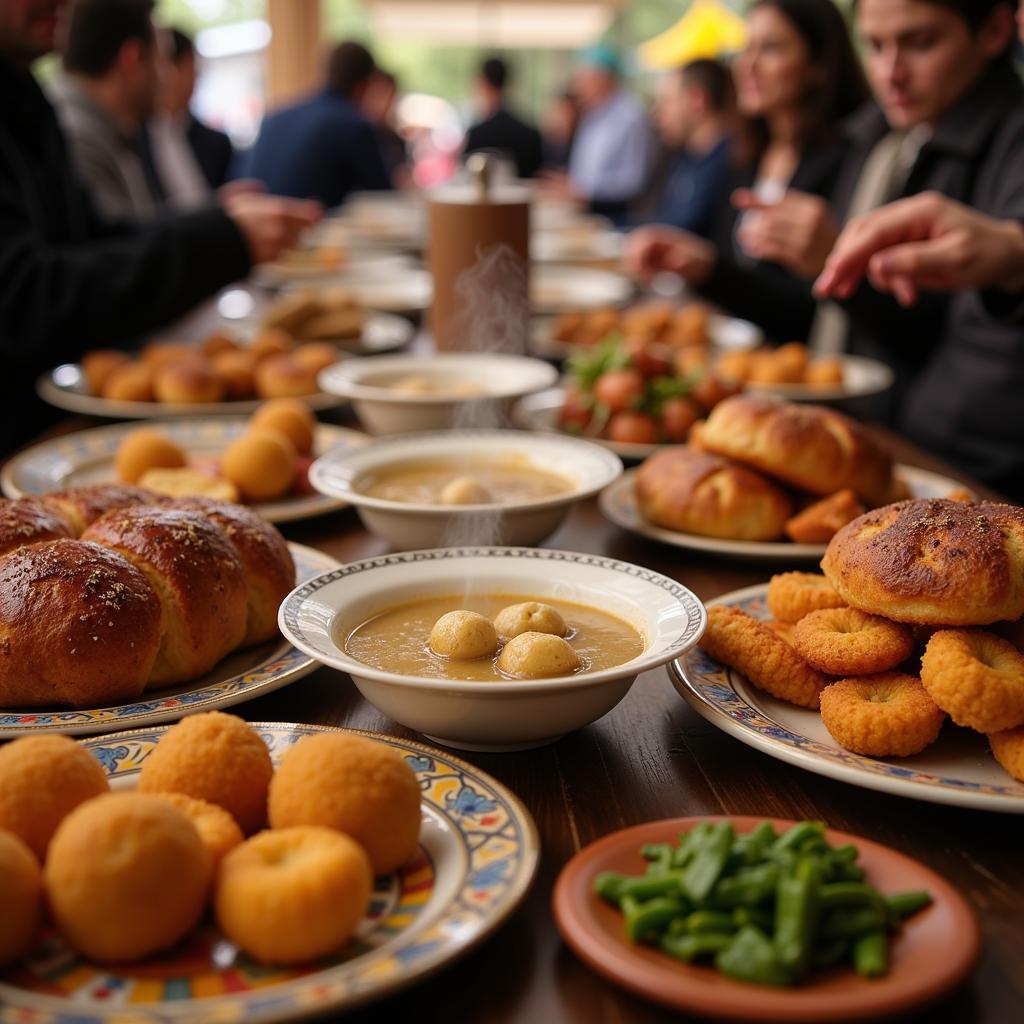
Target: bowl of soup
{"type": "Point", "coordinates": [454, 488]}
{"type": "Point", "coordinates": [493, 648]}
{"type": "Point", "coordinates": [405, 394]}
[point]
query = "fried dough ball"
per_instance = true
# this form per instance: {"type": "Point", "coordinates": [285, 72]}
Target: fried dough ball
{"type": "Point", "coordinates": [217, 829]}
{"type": "Point", "coordinates": [845, 641]}
{"type": "Point", "coordinates": [821, 521]}
{"type": "Point", "coordinates": [261, 464]}
{"type": "Point", "coordinates": [530, 616]}
{"type": "Point", "coordinates": [132, 382]}
{"type": "Point", "coordinates": [187, 382]}
{"type": "Point", "coordinates": [888, 714]}
{"type": "Point", "coordinates": [1008, 750]}
{"type": "Point", "coordinates": [217, 343]}
{"type": "Point", "coordinates": [976, 677]}
{"type": "Point", "coordinates": [237, 373]}
{"type": "Point", "coordinates": [42, 779]}
{"type": "Point", "coordinates": [533, 655]}
{"type": "Point", "coordinates": [354, 785]}
{"type": "Point", "coordinates": [316, 355]}
{"type": "Point", "coordinates": [824, 372]}
{"type": "Point", "coordinates": [127, 875]}
{"type": "Point", "coordinates": [783, 629]}
{"type": "Point", "coordinates": [283, 377]}
{"type": "Point", "coordinates": [271, 342]}
{"type": "Point", "coordinates": [21, 896]}
{"type": "Point", "coordinates": [214, 757]}
{"type": "Point", "coordinates": [735, 365]}
{"type": "Point", "coordinates": [99, 364]}
{"type": "Point", "coordinates": [792, 595]}
{"type": "Point", "coordinates": [143, 450]}
{"type": "Point", "coordinates": [158, 354]}
{"type": "Point", "coordinates": [290, 417]}
{"type": "Point", "coordinates": [293, 894]}
{"type": "Point", "coordinates": [465, 490]}
{"type": "Point", "coordinates": [742, 642]}
{"type": "Point", "coordinates": [463, 636]}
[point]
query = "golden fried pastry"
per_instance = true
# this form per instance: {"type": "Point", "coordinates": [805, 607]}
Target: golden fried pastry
{"type": "Point", "coordinates": [189, 483]}
{"type": "Point", "coordinates": [214, 757]}
{"type": "Point", "coordinates": [217, 343]}
{"type": "Point", "coordinates": [127, 875]}
{"type": "Point", "coordinates": [282, 377]}
{"type": "Point", "coordinates": [735, 365]}
{"type": "Point", "coordinates": [690, 360]}
{"type": "Point", "coordinates": [291, 417]}
{"type": "Point", "coordinates": [849, 642]}
{"type": "Point", "coordinates": [792, 595]}
{"type": "Point", "coordinates": [289, 312]}
{"type": "Point", "coordinates": [21, 896]}
{"type": "Point", "coordinates": [315, 355]}
{"type": "Point", "coordinates": [820, 522]}
{"type": "Point", "coordinates": [294, 894]}
{"type": "Point", "coordinates": [99, 364]}
{"type": "Point", "coordinates": [1008, 750]}
{"type": "Point", "coordinates": [131, 382]}
{"type": "Point", "coordinates": [691, 326]}
{"type": "Point", "coordinates": [354, 785]}
{"type": "Point", "coordinates": [824, 372]}
{"type": "Point", "coordinates": [809, 446]}
{"type": "Point", "coordinates": [29, 521]}
{"type": "Point", "coordinates": [158, 354]}
{"type": "Point", "coordinates": [339, 322]}
{"type": "Point", "coordinates": [272, 341]}
{"type": "Point", "coordinates": [694, 492]}
{"type": "Point", "coordinates": [237, 373]}
{"type": "Point", "coordinates": [932, 562]}
{"type": "Point", "coordinates": [44, 778]}
{"type": "Point", "coordinates": [218, 831]}
{"type": "Point", "coordinates": [145, 449]}
{"type": "Point", "coordinates": [187, 382]}
{"type": "Point", "coordinates": [261, 464]}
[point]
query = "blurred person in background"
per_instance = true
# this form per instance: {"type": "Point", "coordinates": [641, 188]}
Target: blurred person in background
{"type": "Point", "coordinates": [106, 90]}
{"type": "Point", "coordinates": [498, 128]}
{"type": "Point", "coordinates": [185, 159]}
{"type": "Point", "coordinates": [796, 80]}
{"type": "Point", "coordinates": [379, 107]}
{"type": "Point", "coordinates": [71, 280]}
{"type": "Point", "coordinates": [694, 114]}
{"type": "Point", "coordinates": [324, 147]}
{"type": "Point", "coordinates": [611, 152]}
{"type": "Point", "coordinates": [558, 130]}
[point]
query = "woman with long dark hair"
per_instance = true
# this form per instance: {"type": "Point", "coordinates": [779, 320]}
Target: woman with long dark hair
{"type": "Point", "coordinates": [796, 80]}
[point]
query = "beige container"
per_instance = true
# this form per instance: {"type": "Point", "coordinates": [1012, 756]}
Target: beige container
{"type": "Point", "coordinates": [479, 245]}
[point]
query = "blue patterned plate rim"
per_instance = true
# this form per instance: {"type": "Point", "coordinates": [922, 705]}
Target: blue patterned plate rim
{"type": "Point", "coordinates": [712, 693]}
{"type": "Point", "coordinates": [282, 665]}
{"type": "Point", "coordinates": [310, 995]}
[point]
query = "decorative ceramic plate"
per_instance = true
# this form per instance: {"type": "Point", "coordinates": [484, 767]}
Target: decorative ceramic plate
{"type": "Point", "coordinates": [618, 503]}
{"type": "Point", "coordinates": [87, 457]}
{"type": "Point", "coordinates": [241, 676]}
{"type": "Point", "coordinates": [957, 769]}
{"type": "Point", "coordinates": [935, 950]}
{"type": "Point", "coordinates": [556, 289]}
{"type": "Point", "coordinates": [478, 854]}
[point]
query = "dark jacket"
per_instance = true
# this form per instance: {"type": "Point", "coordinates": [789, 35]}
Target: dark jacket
{"type": "Point", "coordinates": [321, 148]}
{"type": "Point", "coordinates": [70, 281]}
{"type": "Point", "coordinates": [506, 133]}
{"type": "Point", "coordinates": [766, 293]}
{"type": "Point", "coordinates": [213, 150]}
{"type": "Point", "coordinates": [693, 190]}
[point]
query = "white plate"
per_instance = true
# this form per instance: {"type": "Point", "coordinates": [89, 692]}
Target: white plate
{"type": "Point", "coordinates": [478, 855]}
{"type": "Point", "coordinates": [583, 245]}
{"type": "Point", "coordinates": [861, 377]}
{"type": "Point", "coordinates": [241, 676]}
{"type": "Point", "coordinates": [618, 503]}
{"type": "Point", "coordinates": [382, 332]}
{"type": "Point", "coordinates": [87, 457]}
{"type": "Point", "coordinates": [957, 769]}
{"type": "Point", "coordinates": [409, 289]}
{"type": "Point", "coordinates": [355, 262]}
{"type": "Point", "coordinates": [557, 289]}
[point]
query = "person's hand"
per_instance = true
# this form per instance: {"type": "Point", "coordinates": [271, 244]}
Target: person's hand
{"type": "Point", "coordinates": [239, 187]}
{"type": "Point", "coordinates": [271, 224]}
{"type": "Point", "coordinates": [798, 231]}
{"type": "Point", "coordinates": [557, 185]}
{"type": "Point", "coordinates": [658, 249]}
{"type": "Point", "coordinates": [926, 241]}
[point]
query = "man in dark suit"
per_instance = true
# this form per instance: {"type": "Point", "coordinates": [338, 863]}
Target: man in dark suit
{"type": "Point", "coordinates": [323, 147]}
{"type": "Point", "coordinates": [501, 130]}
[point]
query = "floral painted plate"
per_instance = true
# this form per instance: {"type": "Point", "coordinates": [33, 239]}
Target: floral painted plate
{"type": "Point", "coordinates": [478, 855]}
{"type": "Point", "coordinates": [87, 457]}
{"type": "Point", "coordinates": [957, 769]}
{"type": "Point", "coordinates": [241, 676]}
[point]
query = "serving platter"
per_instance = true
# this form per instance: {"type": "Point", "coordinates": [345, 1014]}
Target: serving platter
{"type": "Point", "coordinates": [619, 504]}
{"type": "Point", "coordinates": [87, 457]}
{"type": "Point", "coordinates": [935, 950]}
{"type": "Point", "coordinates": [957, 769]}
{"type": "Point", "coordinates": [557, 288]}
{"type": "Point", "coordinates": [239, 677]}
{"type": "Point", "coordinates": [861, 377]}
{"type": "Point", "coordinates": [478, 854]}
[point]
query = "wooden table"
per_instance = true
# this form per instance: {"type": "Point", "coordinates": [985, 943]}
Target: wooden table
{"type": "Point", "coordinates": [652, 757]}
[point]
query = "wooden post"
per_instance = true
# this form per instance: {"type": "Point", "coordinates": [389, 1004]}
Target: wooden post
{"type": "Point", "coordinates": [294, 57]}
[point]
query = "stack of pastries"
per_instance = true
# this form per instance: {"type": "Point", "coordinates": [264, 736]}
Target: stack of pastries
{"type": "Point", "coordinates": [108, 590]}
{"type": "Point", "coordinates": [762, 469]}
{"type": "Point", "coordinates": [918, 616]}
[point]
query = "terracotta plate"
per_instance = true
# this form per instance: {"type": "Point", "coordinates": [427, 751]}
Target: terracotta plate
{"type": "Point", "coordinates": [936, 950]}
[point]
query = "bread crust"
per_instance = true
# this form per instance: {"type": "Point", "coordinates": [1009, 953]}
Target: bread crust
{"type": "Point", "coordinates": [82, 506]}
{"type": "Point", "coordinates": [29, 521]}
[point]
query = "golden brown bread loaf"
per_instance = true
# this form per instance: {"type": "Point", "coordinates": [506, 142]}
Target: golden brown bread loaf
{"type": "Point", "coordinates": [192, 566]}
{"type": "Point", "coordinates": [28, 521]}
{"type": "Point", "coordinates": [694, 492]}
{"type": "Point", "coordinates": [82, 506]}
{"type": "Point", "coordinates": [266, 561]}
{"type": "Point", "coordinates": [79, 625]}
{"type": "Point", "coordinates": [935, 562]}
{"type": "Point", "coordinates": [809, 446]}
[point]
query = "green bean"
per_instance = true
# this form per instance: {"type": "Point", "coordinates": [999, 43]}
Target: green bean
{"type": "Point", "coordinates": [796, 915]}
{"type": "Point", "coordinates": [708, 861]}
{"type": "Point", "coordinates": [792, 838]}
{"type": "Point", "coordinates": [660, 857]}
{"type": "Point", "coordinates": [752, 957]}
{"type": "Point", "coordinates": [903, 904]}
{"type": "Point", "coordinates": [689, 947]}
{"type": "Point", "coordinates": [848, 853]}
{"type": "Point", "coordinates": [850, 894]}
{"type": "Point", "coordinates": [609, 884]}
{"type": "Point", "coordinates": [752, 915]}
{"type": "Point", "coordinates": [647, 887]}
{"type": "Point", "coordinates": [688, 844]}
{"type": "Point", "coordinates": [709, 921]}
{"type": "Point", "coordinates": [849, 922]}
{"type": "Point", "coordinates": [746, 888]}
{"type": "Point", "coordinates": [871, 954]}
{"type": "Point", "coordinates": [646, 919]}
{"type": "Point", "coordinates": [830, 952]}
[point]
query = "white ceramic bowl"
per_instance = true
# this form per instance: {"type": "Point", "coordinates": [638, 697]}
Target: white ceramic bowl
{"type": "Point", "coordinates": [406, 525]}
{"type": "Point", "coordinates": [499, 379]}
{"type": "Point", "coordinates": [512, 715]}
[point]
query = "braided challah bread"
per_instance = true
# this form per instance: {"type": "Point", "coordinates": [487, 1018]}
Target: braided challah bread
{"type": "Point", "coordinates": [154, 592]}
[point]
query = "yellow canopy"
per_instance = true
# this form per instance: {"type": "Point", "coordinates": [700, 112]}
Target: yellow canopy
{"type": "Point", "coordinates": [707, 29]}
